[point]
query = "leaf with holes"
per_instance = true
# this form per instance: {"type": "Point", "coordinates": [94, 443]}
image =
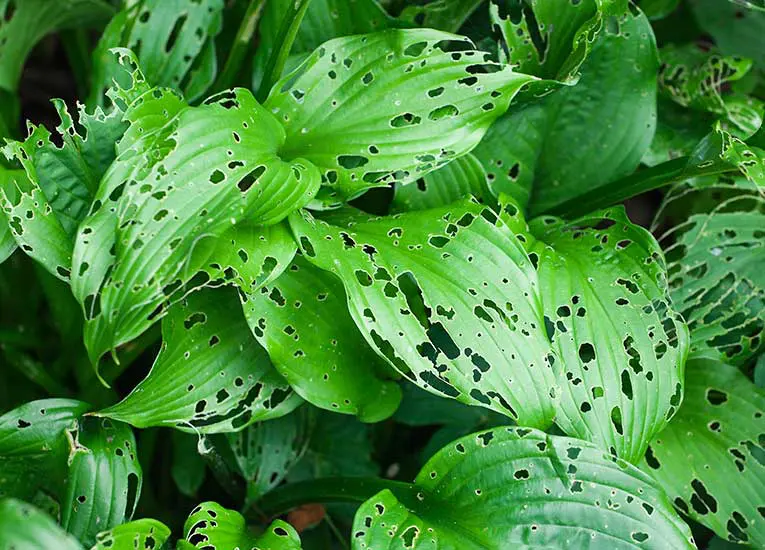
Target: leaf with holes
{"type": "Point", "coordinates": [735, 30]}
{"type": "Point", "coordinates": [521, 487]}
{"type": "Point", "coordinates": [141, 533]}
{"type": "Point", "coordinates": [190, 174]}
{"type": "Point", "coordinates": [716, 280]}
{"type": "Point", "coordinates": [211, 375]}
{"type": "Point", "coordinates": [449, 298]}
{"type": "Point", "coordinates": [457, 180]}
{"type": "Point", "coordinates": [621, 346]}
{"type": "Point", "coordinates": [213, 527]}
{"type": "Point", "coordinates": [711, 457]}
{"type": "Point", "coordinates": [302, 320]}
{"type": "Point", "coordinates": [581, 137]}
{"type": "Point", "coordinates": [391, 106]}
{"type": "Point", "coordinates": [104, 479]}
{"type": "Point", "coordinates": [172, 39]}
{"type": "Point", "coordinates": [25, 527]}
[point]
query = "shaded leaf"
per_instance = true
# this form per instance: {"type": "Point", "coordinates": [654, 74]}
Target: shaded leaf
{"type": "Point", "coordinates": [710, 458]}
{"type": "Point", "coordinates": [517, 486]}
{"type": "Point", "coordinates": [302, 320]}
{"type": "Point", "coordinates": [420, 292]}
{"type": "Point", "coordinates": [445, 15]}
{"type": "Point", "coordinates": [141, 533]}
{"type": "Point", "coordinates": [735, 30]}
{"type": "Point", "coordinates": [25, 527]}
{"type": "Point", "coordinates": [188, 468]}
{"type": "Point", "coordinates": [678, 132]}
{"type": "Point", "coordinates": [210, 376]}
{"type": "Point", "coordinates": [389, 107]}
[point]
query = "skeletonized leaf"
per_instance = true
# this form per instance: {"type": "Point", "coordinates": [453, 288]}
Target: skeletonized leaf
{"type": "Point", "coordinates": [457, 180]}
{"type": "Point", "coordinates": [607, 310]}
{"type": "Point", "coordinates": [172, 40]}
{"type": "Point", "coordinates": [211, 375]}
{"type": "Point", "coordinates": [25, 527]}
{"type": "Point", "coordinates": [141, 533]}
{"type": "Point", "coordinates": [420, 291]}
{"type": "Point", "coordinates": [716, 280]}
{"type": "Point", "coordinates": [104, 479]}
{"type": "Point", "coordinates": [710, 457]}
{"type": "Point", "coordinates": [211, 526]}
{"type": "Point", "coordinates": [445, 15]}
{"type": "Point", "coordinates": [192, 177]}
{"type": "Point", "coordinates": [389, 107]}
{"type": "Point", "coordinates": [302, 320]}
{"type": "Point", "coordinates": [511, 487]}
{"type": "Point", "coordinates": [580, 137]}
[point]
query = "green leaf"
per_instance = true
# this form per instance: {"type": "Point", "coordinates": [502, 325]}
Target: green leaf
{"type": "Point", "coordinates": [25, 22]}
{"type": "Point", "coordinates": [658, 9]}
{"type": "Point", "coordinates": [420, 292]}
{"type": "Point", "coordinates": [25, 527]}
{"type": "Point", "coordinates": [211, 375]}
{"type": "Point", "coordinates": [302, 320]}
{"type": "Point", "coordinates": [621, 346]}
{"type": "Point", "coordinates": [710, 457]}
{"type": "Point", "coordinates": [678, 132]}
{"type": "Point", "coordinates": [510, 487]}
{"type": "Point", "coordinates": [445, 15]}
{"type": "Point", "coordinates": [7, 241]}
{"type": "Point", "coordinates": [389, 107]}
{"type": "Point", "coordinates": [580, 138]}
{"type": "Point", "coordinates": [459, 179]}
{"type": "Point", "coordinates": [141, 533]}
{"type": "Point", "coordinates": [211, 526]}
{"type": "Point", "coordinates": [196, 175]}
{"type": "Point", "coordinates": [172, 39]}
{"type": "Point", "coordinates": [715, 257]}
{"type": "Point", "coordinates": [104, 479]}
{"type": "Point", "coordinates": [735, 30]}
{"type": "Point", "coordinates": [265, 452]}
{"type": "Point", "coordinates": [188, 469]}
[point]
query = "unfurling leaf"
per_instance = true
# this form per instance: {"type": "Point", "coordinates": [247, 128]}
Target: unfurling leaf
{"type": "Point", "coordinates": [389, 107]}
{"type": "Point", "coordinates": [711, 457]}
{"type": "Point", "coordinates": [510, 487]}
{"type": "Point", "coordinates": [302, 320]}
{"type": "Point", "coordinates": [420, 291]}
{"type": "Point", "coordinates": [211, 375]}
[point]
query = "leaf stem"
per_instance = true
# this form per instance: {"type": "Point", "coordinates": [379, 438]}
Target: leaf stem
{"type": "Point", "coordinates": [228, 76]}
{"type": "Point", "coordinates": [333, 489]}
{"type": "Point", "coordinates": [286, 37]}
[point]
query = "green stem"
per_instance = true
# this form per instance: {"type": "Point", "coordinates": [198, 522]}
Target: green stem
{"type": "Point", "coordinates": [286, 37]}
{"type": "Point", "coordinates": [655, 177]}
{"type": "Point", "coordinates": [334, 489]}
{"type": "Point", "coordinates": [228, 76]}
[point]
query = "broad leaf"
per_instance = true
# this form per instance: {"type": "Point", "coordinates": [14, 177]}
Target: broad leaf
{"type": "Point", "coordinates": [678, 132]}
{"type": "Point", "coordinates": [188, 468]}
{"type": "Point", "coordinates": [302, 320]}
{"type": "Point", "coordinates": [178, 181]}
{"type": "Point", "coordinates": [445, 15]}
{"type": "Point", "coordinates": [141, 533]}
{"type": "Point", "coordinates": [213, 527]}
{"type": "Point", "coordinates": [104, 479]}
{"type": "Point", "coordinates": [457, 180]}
{"type": "Point", "coordinates": [581, 137]}
{"type": "Point", "coordinates": [25, 22]}
{"type": "Point", "coordinates": [419, 289]}
{"type": "Point", "coordinates": [391, 106]}
{"type": "Point", "coordinates": [735, 30]}
{"type": "Point", "coordinates": [516, 487]}
{"type": "Point", "coordinates": [25, 527]}
{"type": "Point", "coordinates": [172, 39]}
{"type": "Point", "coordinates": [621, 346]}
{"type": "Point", "coordinates": [710, 457]}
{"type": "Point", "coordinates": [716, 279]}
{"type": "Point", "coordinates": [210, 376]}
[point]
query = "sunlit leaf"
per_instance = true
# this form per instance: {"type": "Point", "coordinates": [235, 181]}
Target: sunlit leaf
{"type": "Point", "coordinates": [141, 533]}
{"type": "Point", "coordinates": [420, 290]}
{"type": "Point", "coordinates": [302, 320]}
{"type": "Point", "coordinates": [210, 376]}
{"type": "Point", "coordinates": [25, 527]}
{"type": "Point", "coordinates": [391, 106]}
{"type": "Point", "coordinates": [710, 459]}
{"type": "Point", "coordinates": [510, 487]}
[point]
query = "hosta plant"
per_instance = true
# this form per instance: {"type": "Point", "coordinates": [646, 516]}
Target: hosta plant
{"type": "Point", "coordinates": [371, 274]}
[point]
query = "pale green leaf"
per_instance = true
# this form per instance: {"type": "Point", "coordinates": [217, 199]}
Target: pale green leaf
{"type": "Point", "coordinates": [104, 480]}
{"type": "Point", "coordinates": [302, 320]}
{"type": "Point", "coordinates": [420, 290]}
{"type": "Point", "coordinates": [389, 107]}
{"type": "Point", "coordinates": [582, 137]}
{"type": "Point", "coordinates": [24, 527]}
{"type": "Point", "coordinates": [711, 457]}
{"type": "Point", "coordinates": [517, 487]}
{"type": "Point", "coordinates": [211, 375]}
{"type": "Point", "coordinates": [141, 533]}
